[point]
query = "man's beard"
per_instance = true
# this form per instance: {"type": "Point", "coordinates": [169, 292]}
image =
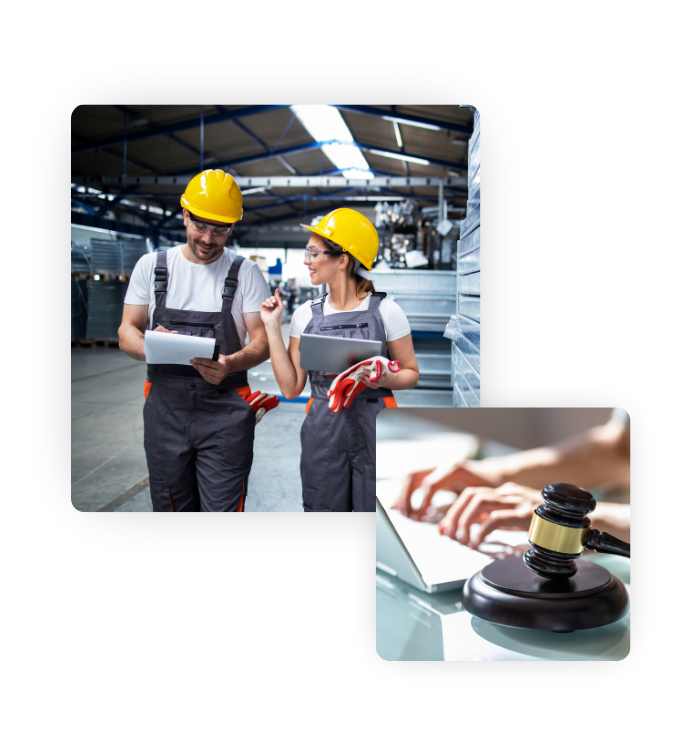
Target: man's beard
{"type": "Point", "coordinates": [214, 248]}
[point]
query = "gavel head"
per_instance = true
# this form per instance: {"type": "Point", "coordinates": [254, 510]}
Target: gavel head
{"type": "Point", "coordinates": [558, 531]}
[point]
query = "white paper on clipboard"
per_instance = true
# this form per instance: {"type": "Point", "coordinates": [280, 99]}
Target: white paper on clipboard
{"type": "Point", "coordinates": [174, 348]}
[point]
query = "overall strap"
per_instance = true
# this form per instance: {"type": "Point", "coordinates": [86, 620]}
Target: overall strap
{"type": "Point", "coordinates": [376, 299]}
{"type": "Point", "coordinates": [230, 284]}
{"type": "Point", "coordinates": [317, 305]}
{"type": "Point", "coordinates": [161, 279]}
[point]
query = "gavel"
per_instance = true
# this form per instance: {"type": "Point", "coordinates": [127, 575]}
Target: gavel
{"type": "Point", "coordinates": [560, 531]}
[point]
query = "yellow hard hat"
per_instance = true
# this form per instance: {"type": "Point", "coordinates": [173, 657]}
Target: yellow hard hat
{"type": "Point", "coordinates": [214, 195]}
{"type": "Point", "coordinates": [354, 232]}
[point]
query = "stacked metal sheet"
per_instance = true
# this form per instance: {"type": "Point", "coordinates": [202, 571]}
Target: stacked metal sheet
{"type": "Point", "coordinates": [104, 309]}
{"type": "Point", "coordinates": [78, 309]}
{"type": "Point", "coordinates": [466, 336]}
{"type": "Point", "coordinates": [429, 299]}
{"type": "Point", "coordinates": [116, 256]}
{"type": "Point", "coordinates": [81, 258]}
{"type": "Point", "coordinates": [130, 254]}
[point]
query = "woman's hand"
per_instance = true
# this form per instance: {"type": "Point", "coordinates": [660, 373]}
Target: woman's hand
{"type": "Point", "coordinates": [508, 507]}
{"type": "Point", "coordinates": [385, 379]}
{"type": "Point", "coordinates": [271, 310]}
{"type": "Point", "coordinates": [454, 478]}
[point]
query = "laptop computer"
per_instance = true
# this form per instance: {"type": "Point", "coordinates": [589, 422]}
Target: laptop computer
{"type": "Point", "coordinates": [417, 554]}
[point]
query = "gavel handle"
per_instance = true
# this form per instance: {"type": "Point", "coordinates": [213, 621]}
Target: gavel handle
{"type": "Point", "coordinates": [603, 542]}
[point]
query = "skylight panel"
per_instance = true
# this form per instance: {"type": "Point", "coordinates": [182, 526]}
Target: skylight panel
{"type": "Point", "coordinates": [325, 124]}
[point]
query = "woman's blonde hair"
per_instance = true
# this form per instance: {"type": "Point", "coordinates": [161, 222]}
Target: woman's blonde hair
{"type": "Point", "coordinates": [363, 285]}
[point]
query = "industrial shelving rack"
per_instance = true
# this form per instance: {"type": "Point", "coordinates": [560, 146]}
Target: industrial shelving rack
{"type": "Point", "coordinates": [466, 332]}
{"type": "Point", "coordinates": [425, 289]}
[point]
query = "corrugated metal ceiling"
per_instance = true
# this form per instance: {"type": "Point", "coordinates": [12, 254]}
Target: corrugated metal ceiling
{"type": "Point", "coordinates": [98, 150]}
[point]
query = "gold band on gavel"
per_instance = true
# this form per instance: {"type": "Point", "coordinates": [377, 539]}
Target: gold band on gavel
{"type": "Point", "coordinates": [555, 537]}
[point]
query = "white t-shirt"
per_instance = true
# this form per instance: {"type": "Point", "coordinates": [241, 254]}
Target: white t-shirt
{"type": "Point", "coordinates": [199, 286]}
{"type": "Point", "coordinates": [394, 318]}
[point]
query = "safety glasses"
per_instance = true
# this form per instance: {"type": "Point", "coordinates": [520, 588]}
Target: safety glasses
{"type": "Point", "coordinates": [313, 255]}
{"type": "Point", "coordinates": [203, 227]}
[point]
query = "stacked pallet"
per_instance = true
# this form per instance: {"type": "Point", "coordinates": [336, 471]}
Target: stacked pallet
{"type": "Point", "coordinates": [466, 336]}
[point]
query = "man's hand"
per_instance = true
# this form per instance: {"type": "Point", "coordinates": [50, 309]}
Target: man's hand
{"type": "Point", "coordinates": [454, 478]}
{"type": "Point", "coordinates": [509, 507]}
{"type": "Point", "coordinates": [212, 372]}
{"type": "Point", "coordinates": [160, 329]}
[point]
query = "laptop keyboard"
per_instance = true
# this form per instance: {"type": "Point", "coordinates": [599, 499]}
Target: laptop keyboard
{"type": "Point", "coordinates": [439, 559]}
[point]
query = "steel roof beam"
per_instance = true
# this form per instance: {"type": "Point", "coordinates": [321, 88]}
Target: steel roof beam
{"type": "Point", "coordinates": [117, 197]}
{"type": "Point", "coordinates": [128, 112]}
{"type": "Point", "coordinates": [316, 145]}
{"type": "Point", "coordinates": [180, 126]}
{"type": "Point", "coordinates": [265, 146]}
{"type": "Point", "coordinates": [84, 206]}
{"type": "Point", "coordinates": [129, 160]}
{"type": "Point", "coordinates": [280, 182]}
{"type": "Point", "coordinates": [87, 220]}
{"type": "Point", "coordinates": [382, 113]}
{"type": "Point", "coordinates": [377, 149]}
{"type": "Point", "coordinates": [142, 214]}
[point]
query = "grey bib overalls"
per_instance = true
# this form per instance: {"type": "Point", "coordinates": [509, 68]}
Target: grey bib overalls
{"type": "Point", "coordinates": [198, 436]}
{"type": "Point", "coordinates": [337, 465]}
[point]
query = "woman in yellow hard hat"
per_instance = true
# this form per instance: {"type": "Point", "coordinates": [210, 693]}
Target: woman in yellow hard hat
{"type": "Point", "coordinates": [338, 444]}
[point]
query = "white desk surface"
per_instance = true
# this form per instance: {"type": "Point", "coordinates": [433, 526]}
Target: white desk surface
{"type": "Point", "coordinates": [412, 625]}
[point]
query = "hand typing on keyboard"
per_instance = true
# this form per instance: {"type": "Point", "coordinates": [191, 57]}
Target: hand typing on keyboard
{"type": "Point", "coordinates": [454, 478]}
{"type": "Point", "coordinates": [509, 507]}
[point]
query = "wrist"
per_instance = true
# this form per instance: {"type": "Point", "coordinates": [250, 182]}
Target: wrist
{"type": "Point", "coordinates": [495, 469]}
{"type": "Point", "coordinates": [390, 379]}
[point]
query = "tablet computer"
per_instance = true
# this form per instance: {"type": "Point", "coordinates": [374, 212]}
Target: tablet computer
{"type": "Point", "coordinates": [334, 354]}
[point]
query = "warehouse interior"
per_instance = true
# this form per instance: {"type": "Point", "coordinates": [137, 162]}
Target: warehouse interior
{"type": "Point", "coordinates": [414, 171]}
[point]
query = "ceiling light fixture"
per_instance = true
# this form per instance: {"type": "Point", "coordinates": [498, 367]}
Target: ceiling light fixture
{"type": "Point", "coordinates": [325, 123]}
{"type": "Point", "coordinates": [287, 165]}
{"type": "Point", "coordinates": [410, 123]}
{"type": "Point", "coordinates": [397, 134]}
{"type": "Point", "coordinates": [399, 156]}
{"type": "Point", "coordinates": [376, 198]}
{"type": "Point", "coordinates": [253, 191]}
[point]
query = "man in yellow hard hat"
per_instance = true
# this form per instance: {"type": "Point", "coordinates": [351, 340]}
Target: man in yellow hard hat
{"type": "Point", "coordinates": [198, 426]}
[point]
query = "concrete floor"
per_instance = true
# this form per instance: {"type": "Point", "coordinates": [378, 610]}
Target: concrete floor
{"type": "Point", "coordinates": [108, 464]}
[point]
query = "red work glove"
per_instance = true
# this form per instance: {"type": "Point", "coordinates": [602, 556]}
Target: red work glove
{"type": "Point", "coordinates": [261, 403]}
{"type": "Point", "coordinates": [346, 386]}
